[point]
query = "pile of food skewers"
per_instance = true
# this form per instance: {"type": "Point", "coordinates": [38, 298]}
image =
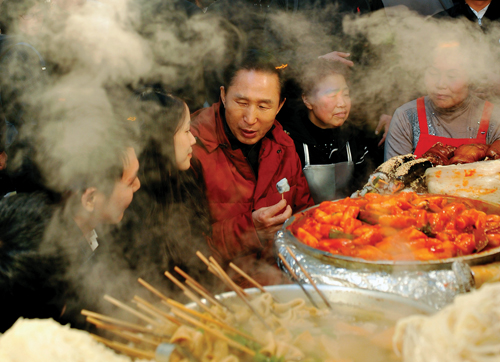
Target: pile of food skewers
{"type": "Point", "coordinates": [247, 329]}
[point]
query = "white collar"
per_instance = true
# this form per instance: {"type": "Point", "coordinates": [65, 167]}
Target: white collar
{"type": "Point", "coordinates": [480, 13]}
{"type": "Point", "coordinates": [92, 239]}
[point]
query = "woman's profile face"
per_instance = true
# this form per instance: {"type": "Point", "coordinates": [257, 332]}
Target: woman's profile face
{"type": "Point", "coordinates": [183, 142]}
{"type": "Point", "coordinates": [330, 103]}
{"type": "Point", "coordinates": [446, 79]}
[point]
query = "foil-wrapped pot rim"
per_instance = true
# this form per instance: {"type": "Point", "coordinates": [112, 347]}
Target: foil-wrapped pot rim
{"type": "Point", "coordinates": [435, 288]}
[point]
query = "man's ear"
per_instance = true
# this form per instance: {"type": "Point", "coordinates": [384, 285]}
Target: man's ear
{"type": "Point", "coordinates": [223, 95]}
{"type": "Point", "coordinates": [306, 102]}
{"type": "Point", "coordinates": [88, 199]}
{"type": "Point", "coordinates": [281, 105]}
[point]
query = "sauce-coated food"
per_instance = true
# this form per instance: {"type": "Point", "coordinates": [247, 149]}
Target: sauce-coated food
{"type": "Point", "coordinates": [405, 226]}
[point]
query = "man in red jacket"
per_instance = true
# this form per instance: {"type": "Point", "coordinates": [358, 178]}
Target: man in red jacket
{"type": "Point", "coordinates": [244, 152]}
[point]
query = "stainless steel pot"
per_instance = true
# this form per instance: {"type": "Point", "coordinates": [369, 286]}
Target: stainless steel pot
{"type": "Point", "coordinates": [389, 265]}
{"type": "Point", "coordinates": [376, 308]}
{"type": "Point", "coordinates": [435, 283]}
{"type": "Point", "coordinates": [337, 295]}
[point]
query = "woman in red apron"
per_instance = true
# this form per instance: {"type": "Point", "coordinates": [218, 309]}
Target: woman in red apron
{"type": "Point", "coordinates": [450, 114]}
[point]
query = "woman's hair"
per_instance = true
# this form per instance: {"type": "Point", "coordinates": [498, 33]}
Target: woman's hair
{"type": "Point", "coordinates": [168, 218]}
{"type": "Point", "coordinates": [160, 115]}
{"type": "Point", "coordinates": [318, 70]}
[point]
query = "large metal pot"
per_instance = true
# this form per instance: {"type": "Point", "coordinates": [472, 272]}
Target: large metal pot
{"type": "Point", "coordinates": [435, 283]}
{"type": "Point", "coordinates": [376, 308]}
{"type": "Point", "coordinates": [336, 295]}
{"type": "Point", "coordinates": [390, 265]}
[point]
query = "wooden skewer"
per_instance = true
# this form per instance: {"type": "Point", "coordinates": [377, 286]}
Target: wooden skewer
{"type": "Point", "coordinates": [251, 280]}
{"type": "Point", "coordinates": [130, 351]}
{"type": "Point", "coordinates": [200, 289]}
{"type": "Point", "coordinates": [207, 296]}
{"type": "Point", "coordinates": [309, 277]}
{"type": "Point", "coordinates": [134, 337]}
{"type": "Point", "coordinates": [151, 312]}
{"type": "Point", "coordinates": [187, 277]}
{"type": "Point", "coordinates": [221, 271]}
{"type": "Point", "coordinates": [157, 310]}
{"type": "Point", "coordinates": [209, 265]}
{"type": "Point", "coordinates": [151, 289]}
{"type": "Point", "coordinates": [101, 325]}
{"type": "Point", "coordinates": [292, 273]}
{"type": "Point", "coordinates": [190, 295]}
{"type": "Point", "coordinates": [238, 291]}
{"type": "Point", "coordinates": [173, 303]}
{"type": "Point", "coordinates": [211, 268]}
{"type": "Point", "coordinates": [131, 310]}
{"type": "Point", "coordinates": [247, 277]}
{"type": "Point", "coordinates": [114, 320]}
{"type": "Point", "coordinates": [214, 332]}
{"type": "Point", "coordinates": [202, 257]}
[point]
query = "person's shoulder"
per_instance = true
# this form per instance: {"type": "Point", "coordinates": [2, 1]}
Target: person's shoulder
{"type": "Point", "coordinates": [281, 136]}
{"type": "Point", "coordinates": [453, 12]}
{"type": "Point", "coordinates": [203, 117]}
{"type": "Point", "coordinates": [495, 112]}
{"type": "Point", "coordinates": [411, 105]}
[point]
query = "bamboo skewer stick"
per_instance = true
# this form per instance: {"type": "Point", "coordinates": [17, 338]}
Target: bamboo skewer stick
{"type": "Point", "coordinates": [247, 277]}
{"type": "Point", "coordinates": [149, 311]}
{"type": "Point", "coordinates": [203, 258]}
{"type": "Point", "coordinates": [238, 291]}
{"type": "Point", "coordinates": [157, 310]}
{"type": "Point", "coordinates": [131, 310]}
{"type": "Point", "coordinates": [114, 321]}
{"type": "Point", "coordinates": [190, 295]}
{"type": "Point", "coordinates": [292, 273]}
{"type": "Point", "coordinates": [251, 280]}
{"type": "Point", "coordinates": [221, 271]}
{"type": "Point", "coordinates": [309, 277]}
{"type": "Point", "coordinates": [187, 277]}
{"type": "Point", "coordinates": [182, 307]}
{"type": "Point", "coordinates": [215, 271]}
{"type": "Point", "coordinates": [151, 289]}
{"type": "Point", "coordinates": [101, 325]}
{"type": "Point", "coordinates": [214, 332]}
{"type": "Point", "coordinates": [207, 296]}
{"type": "Point", "coordinates": [211, 268]}
{"type": "Point", "coordinates": [134, 337]}
{"type": "Point", "coordinates": [130, 351]}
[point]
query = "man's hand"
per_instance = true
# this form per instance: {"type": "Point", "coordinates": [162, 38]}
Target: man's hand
{"type": "Point", "coordinates": [384, 122]}
{"type": "Point", "coordinates": [267, 222]}
{"type": "Point", "coordinates": [338, 57]}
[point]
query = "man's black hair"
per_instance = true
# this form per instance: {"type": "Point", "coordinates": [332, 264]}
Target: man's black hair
{"type": "Point", "coordinates": [256, 60]}
{"type": "Point", "coordinates": [30, 280]}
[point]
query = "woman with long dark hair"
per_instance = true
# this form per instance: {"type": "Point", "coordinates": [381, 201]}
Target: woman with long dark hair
{"type": "Point", "coordinates": [168, 219]}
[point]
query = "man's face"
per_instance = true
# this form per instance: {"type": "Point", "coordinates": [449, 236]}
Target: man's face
{"type": "Point", "coordinates": [110, 208]}
{"type": "Point", "coordinates": [252, 102]}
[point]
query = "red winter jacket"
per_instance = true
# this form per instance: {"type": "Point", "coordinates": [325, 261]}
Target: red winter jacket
{"type": "Point", "coordinates": [234, 193]}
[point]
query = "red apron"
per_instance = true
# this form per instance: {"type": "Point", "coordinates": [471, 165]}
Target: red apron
{"type": "Point", "coordinates": [426, 141]}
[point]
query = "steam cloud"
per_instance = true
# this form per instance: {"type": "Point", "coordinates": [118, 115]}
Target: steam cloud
{"type": "Point", "coordinates": [120, 45]}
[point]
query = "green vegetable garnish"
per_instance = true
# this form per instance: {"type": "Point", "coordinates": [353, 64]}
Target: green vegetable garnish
{"type": "Point", "coordinates": [336, 234]}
